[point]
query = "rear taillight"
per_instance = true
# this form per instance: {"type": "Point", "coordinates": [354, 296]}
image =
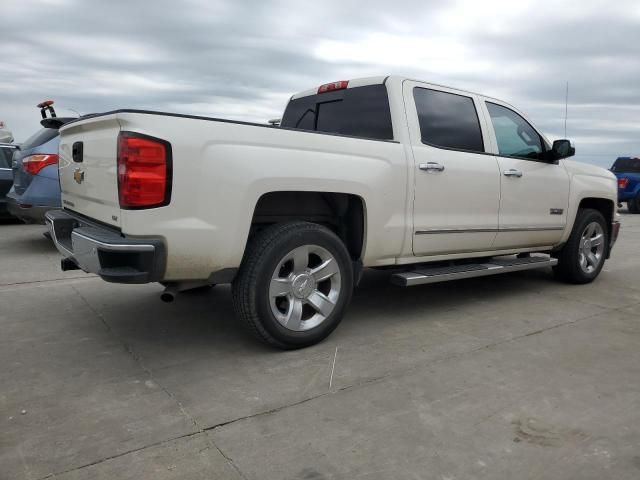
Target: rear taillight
{"type": "Point", "coordinates": [34, 163]}
{"type": "Point", "coordinates": [330, 87]}
{"type": "Point", "coordinates": [623, 182]}
{"type": "Point", "coordinates": [144, 171]}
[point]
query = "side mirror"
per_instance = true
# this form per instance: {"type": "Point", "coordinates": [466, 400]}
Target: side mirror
{"type": "Point", "coordinates": [562, 149]}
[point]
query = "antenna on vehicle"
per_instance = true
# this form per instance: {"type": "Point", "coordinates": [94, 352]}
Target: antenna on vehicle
{"type": "Point", "coordinates": [566, 109]}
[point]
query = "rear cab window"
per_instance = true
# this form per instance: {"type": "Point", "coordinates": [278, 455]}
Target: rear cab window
{"type": "Point", "coordinates": [357, 112]}
{"type": "Point", "coordinates": [626, 165]}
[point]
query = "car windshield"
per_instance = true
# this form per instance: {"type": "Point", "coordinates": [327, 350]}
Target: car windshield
{"type": "Point", "coordinates": [626, 165]}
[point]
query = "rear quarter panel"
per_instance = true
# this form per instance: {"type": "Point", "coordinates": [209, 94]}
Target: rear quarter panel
{"type": "Point", "coordinates": [221, 169]}
{"type": "Point", "coordinates": [633, 187]}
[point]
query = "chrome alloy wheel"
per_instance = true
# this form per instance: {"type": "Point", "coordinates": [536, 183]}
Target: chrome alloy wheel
{"type": "Point", "coordinates": [591, 248]}
{"type": "Point", "coordinates": [304, 288]}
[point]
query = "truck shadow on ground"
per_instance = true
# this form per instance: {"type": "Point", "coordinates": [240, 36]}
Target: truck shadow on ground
{"type": "Point", "coordinates": [204, 320]}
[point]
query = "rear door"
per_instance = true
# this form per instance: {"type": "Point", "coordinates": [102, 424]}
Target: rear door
{"type": "Point", "coordinates": [88, 168]}
{"type": "Point", "coordinates": [534, 192]}
{"type": "Point", "coordinates": [457, 183]}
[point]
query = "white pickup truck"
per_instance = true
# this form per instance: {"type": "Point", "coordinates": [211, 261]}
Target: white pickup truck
{"type": "Point", "coordinates": [435, 182]}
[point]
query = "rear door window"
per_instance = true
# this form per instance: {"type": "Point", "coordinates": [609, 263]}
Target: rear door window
{"type": "Point", "coordinates": [448, 120]}
{"type": "Point", "coordinates": [358, 112]}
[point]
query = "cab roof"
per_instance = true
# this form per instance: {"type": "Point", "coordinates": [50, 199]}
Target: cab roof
{"type": "Point", "coordinates": [382, 79]}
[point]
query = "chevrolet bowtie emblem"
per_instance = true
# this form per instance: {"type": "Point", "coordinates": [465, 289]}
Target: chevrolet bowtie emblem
{"type": "Point", "coordinates": [78, 175]}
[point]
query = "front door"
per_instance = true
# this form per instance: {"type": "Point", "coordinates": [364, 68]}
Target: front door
{"type": "Point", "coordinates": [534, 191]}
{"type": "Point", "coordinates": [457, 184]}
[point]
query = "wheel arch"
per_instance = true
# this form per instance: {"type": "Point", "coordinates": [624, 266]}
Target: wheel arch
{"type": "Point", "coordinates": [343, 213]}
{"type": "Point", "coordinates": [606, 207]}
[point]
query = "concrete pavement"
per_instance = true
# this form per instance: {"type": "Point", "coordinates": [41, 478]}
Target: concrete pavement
{"type": "Point", "coordinates": [513, 376]}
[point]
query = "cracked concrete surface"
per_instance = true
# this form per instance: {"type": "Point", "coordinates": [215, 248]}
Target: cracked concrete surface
{"type": "Point", "coordinates": [514, 376]}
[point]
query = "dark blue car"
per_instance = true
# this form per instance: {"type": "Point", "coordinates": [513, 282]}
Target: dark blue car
{"type": "Point", "coordinates": [628, 172]}
{"type": "Point", "coordinates": [36, 188]}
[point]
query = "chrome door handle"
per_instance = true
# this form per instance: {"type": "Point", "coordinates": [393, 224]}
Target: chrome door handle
{"type": "Point", "coordinates": [512, 172]}
{"type": "Point", "coordinates": [431, 167]}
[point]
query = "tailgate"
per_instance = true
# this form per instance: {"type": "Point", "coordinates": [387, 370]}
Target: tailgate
{"type": "Point", "coordinates": [88, 168]}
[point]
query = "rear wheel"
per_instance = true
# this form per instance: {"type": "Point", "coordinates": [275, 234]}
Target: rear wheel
{"type": "Point", "coordinates": [583, 256]}
{"type": "Point", "coordinates": [634, 205]}
{"type": "Point", "coordinates": [294, 284]}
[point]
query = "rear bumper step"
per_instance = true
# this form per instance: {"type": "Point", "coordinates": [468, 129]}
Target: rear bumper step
{"type": "Point", "coordinates": [492, 266]}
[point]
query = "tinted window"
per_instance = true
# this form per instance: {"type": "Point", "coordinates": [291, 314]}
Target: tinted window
{"type": "Point", "coordinates": [515, 137]}
{"type": "Point", "coordinates": [6, 155]}
{"type": "Point", "coordinates": [628, 165]}
{"type": "Point", "coordinates": [448, 120]}
{"type": "Point", "coordinates": [39, 138]}
{"type": "Point", "coordinates": [359, 112]}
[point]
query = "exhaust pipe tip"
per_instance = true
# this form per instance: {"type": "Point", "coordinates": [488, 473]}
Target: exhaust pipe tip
{"type": "Point", "coordinates": [167, 297]}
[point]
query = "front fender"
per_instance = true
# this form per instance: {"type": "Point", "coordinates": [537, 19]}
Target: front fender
{"type": "Point", "coordinates": [587, 185]}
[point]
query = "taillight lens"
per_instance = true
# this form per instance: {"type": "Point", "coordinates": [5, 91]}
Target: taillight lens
{"type": "Point", "coordinates": [623, 182]}
{"type": "Point", "coordinates": [34, 163]}
{"type": "Point", "coordinates": [144, 171]}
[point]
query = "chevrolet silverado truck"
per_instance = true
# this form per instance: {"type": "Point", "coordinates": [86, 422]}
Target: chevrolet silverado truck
{"type": "Point", "coordinates": [431, 182]}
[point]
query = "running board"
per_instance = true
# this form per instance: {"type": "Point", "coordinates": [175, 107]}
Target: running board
{"type": "Point", "coordinates": [493, 266]}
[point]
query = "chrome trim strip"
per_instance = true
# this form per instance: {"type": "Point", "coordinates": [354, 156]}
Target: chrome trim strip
{"type": "Point", "coordinates": [530, 229]}
{"type": "Point", "coordinates": [489, 230]}
{"type": "Point", "coordinates": [114, 246]}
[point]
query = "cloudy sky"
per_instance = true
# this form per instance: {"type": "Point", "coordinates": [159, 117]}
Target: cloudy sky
{"type": "Point", "coordinates": [242, 59]}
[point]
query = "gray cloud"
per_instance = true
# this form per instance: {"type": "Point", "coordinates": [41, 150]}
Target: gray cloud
{"type": "Point", "coordinates": [243, 59]}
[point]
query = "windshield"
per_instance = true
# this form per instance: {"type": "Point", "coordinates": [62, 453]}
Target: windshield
{"type": "Point", "coordinates": [626, 165]}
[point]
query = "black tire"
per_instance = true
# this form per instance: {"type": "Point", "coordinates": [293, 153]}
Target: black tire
{"type": "Point", "coordinates": [634, 205]}
{"type": "Point", "coordinates": [569, 268]}
{"type": "Point", "coordinates": [251, 287]}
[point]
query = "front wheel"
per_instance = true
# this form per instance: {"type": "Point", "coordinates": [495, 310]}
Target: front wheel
{"type": "Point", "coordinates": [582, 257]}
{"type": "Point", "coordinates": [294, 284]}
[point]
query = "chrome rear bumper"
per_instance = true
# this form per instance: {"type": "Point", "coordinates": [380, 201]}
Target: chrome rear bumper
{"type": "Point", "coordinates": [105, 252]}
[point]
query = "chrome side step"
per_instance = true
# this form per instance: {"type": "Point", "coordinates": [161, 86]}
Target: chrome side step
{"type": "Point", "coordinates": [492, 266]}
